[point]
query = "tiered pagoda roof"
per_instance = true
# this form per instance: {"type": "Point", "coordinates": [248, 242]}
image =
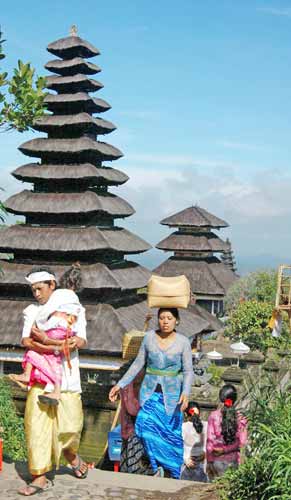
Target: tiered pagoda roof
{"type": "Point", "coordinates": [194, 245]}
{"type": "Point", "coordinates": [70, 214]}
{"type": "Point", "coordinates": [228, 257]}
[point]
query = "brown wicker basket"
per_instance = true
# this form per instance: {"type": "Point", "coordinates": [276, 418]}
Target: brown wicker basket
{"type": "Point", "coordinates": [132, 340]}
{"type": "Point", "coordinates": [131, 343]}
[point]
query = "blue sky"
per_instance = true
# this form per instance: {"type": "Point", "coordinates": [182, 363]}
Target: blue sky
{"type": "Point", "coordinates": [200, 92]}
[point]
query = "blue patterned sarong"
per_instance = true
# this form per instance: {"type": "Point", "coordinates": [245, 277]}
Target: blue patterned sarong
{"type": "Point", "coordinates": [161, 435]}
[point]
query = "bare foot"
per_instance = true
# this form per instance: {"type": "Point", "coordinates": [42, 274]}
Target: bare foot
{"type": "Point", "coordinates": [21, 378]}
{"type": "Point", "coordinates": [14, 378]}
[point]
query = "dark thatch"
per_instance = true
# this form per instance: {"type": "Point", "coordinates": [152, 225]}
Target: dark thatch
{"type": "Point", "coordinates": [207, 276]}
{"type": "Point", "coordinates": [82, 149]}
{"type": "Point", "coordinates": [106, 325]}
{"type": "Point", "coordinates": [73, 83]}
{"type": "Point", "coordinates": [194, 216]}
{"type": "Point", "coordinates": [199, 242]}
{"type": "Point", "coordinates": [28, 202]}
{"type": "Point", "coordinates": [69, 199]}
{"type": "Point", "coordinates": [214, 323]}
{"type": "Point", "coordinates": [34, 172]}
{"type": "Point", "coordinates": [78, 102]}
{"type": "Point", "coordinates": [72, 67]}
{"type": "Point", "coordinates": [72, 46]}
{"type": "Point", "coordinates": [81, 122]}
{"type": "Point", "coordinates": [70, 240]}
{"type": "Point", "coordinates": [128, 276]}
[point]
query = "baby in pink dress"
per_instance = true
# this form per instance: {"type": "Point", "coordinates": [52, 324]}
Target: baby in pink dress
{"type": "Point", "coordinates": [46, 369]}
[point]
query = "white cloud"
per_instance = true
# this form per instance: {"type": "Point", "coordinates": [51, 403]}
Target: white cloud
{"type": "Point", "coordinates": [141, 114]}
{"type": "Point", "coordinates": [258, 209]}
{"type": "Point", "coordinates": [239, 145]}
{"type": "Point", "coordinates": [286, 12]}
{"type": "Point", "coordinates": [177, 161]}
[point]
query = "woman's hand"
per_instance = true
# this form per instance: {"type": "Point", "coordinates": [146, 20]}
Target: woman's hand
{"type": "Point", "coordinates": [38, 335]}
{"type": "Point", "coordinates": [72, 344]}
{"type": "Point", "coordinates": [218, 451]}
{"type": "Point", "coordinates": [183, 401]}
{"type": "Point", "coordinates": [114, 393]}
{"type": "Point", "coordinates": [190, 463]}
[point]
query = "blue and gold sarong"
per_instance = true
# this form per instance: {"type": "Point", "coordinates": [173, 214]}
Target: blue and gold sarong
{"type": "Point", "coordinates": [161, 435]}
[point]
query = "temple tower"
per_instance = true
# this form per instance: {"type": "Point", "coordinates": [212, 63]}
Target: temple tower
{"type": "Point", "coordinates": [194, 245]}
{"type": "Point", "coordinates": [70, 215]}
{"type": "Point", "coordinates": [228, 258]}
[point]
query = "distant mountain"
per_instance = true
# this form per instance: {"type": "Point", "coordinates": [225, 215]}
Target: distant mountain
{"type": "Point", "coordinates": [249, 263]}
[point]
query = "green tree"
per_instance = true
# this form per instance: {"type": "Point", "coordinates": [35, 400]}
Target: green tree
{"type": "Point", "coordinates": [259, 285]}
{"type": "Point", "coordinates": [266, 472]}
{"type": "Point", "coordinates": [249, 322]}
{"type": "Point", "coordinates": [12, 425]}
{"type": "Point", "coordinates": [21, 100]}
{"type": "Point", "coordinates": [21, 96]}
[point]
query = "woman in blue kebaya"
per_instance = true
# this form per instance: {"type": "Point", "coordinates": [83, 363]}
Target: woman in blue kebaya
{"type": "Point", "coordinates": [167, 358]}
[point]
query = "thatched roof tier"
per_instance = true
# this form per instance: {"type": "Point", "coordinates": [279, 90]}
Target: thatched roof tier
{"type": "Point", "coordinates": [28, 202]}
{"type": "Point", "coordinates": [194, 216]}
{"type": "Point", "coordinates": [81, 122]}
{"type": "Point", "coordinates": [72, 150]}
{"type": "Point", "coordinates": [72, 67]}
{"type": "Point", "coordinates": [35, 172]}
{"type": "Point", "coordinates": [70, 240]}
{"type": "Point", "coordinates": [72, 46]}
{"type": "Point", "coordinates": [207, 276]}
{"type": "Point", "coordinates": [75, 83]}
{"type": "Point", "coordinates": [75, 103]}
{"type": "Point", "coordinates": [198, 242]}
{"type": "Point", "coordinates": [128, 276]}
{"type": "Point", "coordinates": [106, 325]}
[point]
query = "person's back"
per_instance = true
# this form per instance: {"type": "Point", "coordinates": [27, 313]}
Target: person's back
{"type": "Point", "coordinates": [194, 440]}
{"type": "Point", "coordinates": [226, 434]}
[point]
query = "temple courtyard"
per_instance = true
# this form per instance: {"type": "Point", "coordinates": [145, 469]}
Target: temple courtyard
{"type": "Point", "coordinates": [104, 485]}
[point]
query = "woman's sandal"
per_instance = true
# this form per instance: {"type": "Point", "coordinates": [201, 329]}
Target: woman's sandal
{"type": "Point", "coordinates": [45, 400]}
{"type": "Point", "coordinates": [37, 489]}
{"type": "Point", "coordinates": [77, 468]}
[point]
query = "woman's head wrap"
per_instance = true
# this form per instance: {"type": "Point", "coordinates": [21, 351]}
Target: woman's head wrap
{"type": "Point", "coordinates": [39, 277]}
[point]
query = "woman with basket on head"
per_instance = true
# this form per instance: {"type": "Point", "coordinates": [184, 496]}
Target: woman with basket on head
{"type": "Point", "coordinates": [167, 358]}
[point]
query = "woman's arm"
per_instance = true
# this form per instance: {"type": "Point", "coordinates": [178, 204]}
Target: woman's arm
{"type": "Point", "coordinates": [242, 433]}
{"type": "Point", "coordinates": [211, 436]}
{"type": "Point", "coordinates": [135, 368]}
{"type": "Point", "coordinates": [29, 343]}
{"type": "Point", "coordinates": [188, 374]}
{"type": "Point", "coordinates": [131, 373]}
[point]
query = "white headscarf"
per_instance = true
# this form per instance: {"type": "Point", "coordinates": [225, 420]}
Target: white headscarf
{"type": "Point", "coordinates": [39, 277]}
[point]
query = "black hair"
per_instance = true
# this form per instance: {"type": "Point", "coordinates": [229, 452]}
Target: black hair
{"type": "Point", "coordinates": [43, 270]}
{"type": "Point", "coordinates": [72, 278]}
{"type": "Point", "coordinates": [195, 419]}
{"type": "Point", "coordinates": [229, 414]}
{"type": "Point", "coordinates": [173, 310]}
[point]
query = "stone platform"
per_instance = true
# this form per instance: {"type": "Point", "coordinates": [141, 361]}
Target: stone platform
{"type": "Point", "coordinates": [104, 485]}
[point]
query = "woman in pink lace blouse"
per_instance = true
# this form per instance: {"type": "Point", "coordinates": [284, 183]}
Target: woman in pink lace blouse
{"type": "Point", "coordinates": [226, 434]}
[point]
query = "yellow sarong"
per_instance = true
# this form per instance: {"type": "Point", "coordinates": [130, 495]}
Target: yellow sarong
{"type": "Point", "coordinates": [49, 430]}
